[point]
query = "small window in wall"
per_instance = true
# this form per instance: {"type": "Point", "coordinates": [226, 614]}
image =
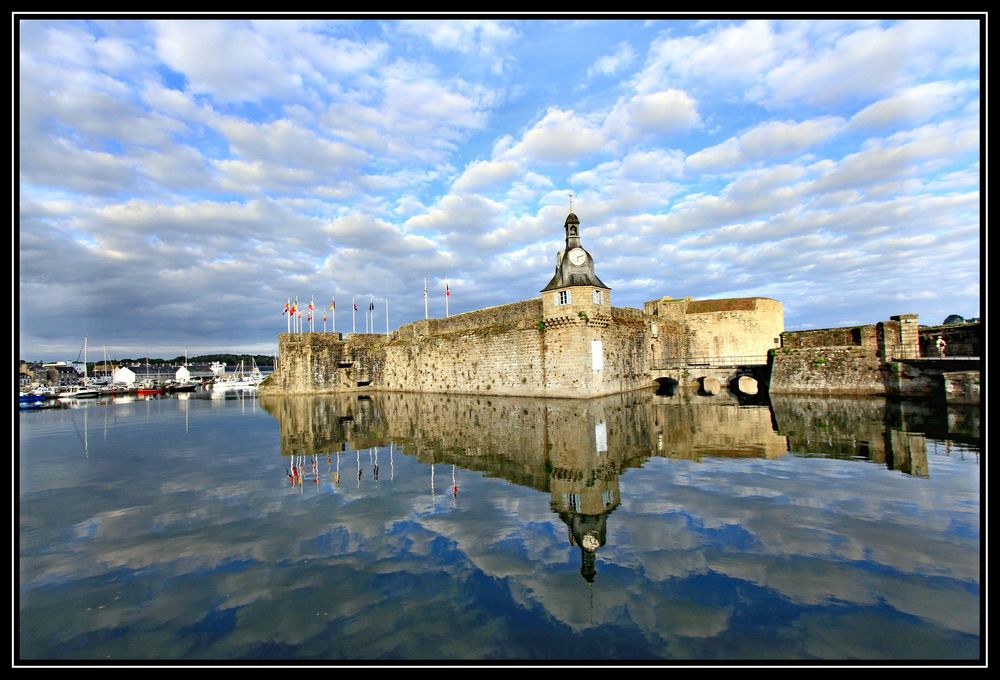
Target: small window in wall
{"type": "Point", "coordinates": [598, 297]}
{"type": "Point", "coordinates": [563, 297]}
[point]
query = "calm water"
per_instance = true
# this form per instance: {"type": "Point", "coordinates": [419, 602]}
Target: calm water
{"type": "Point", "coordinates": [440, 527]}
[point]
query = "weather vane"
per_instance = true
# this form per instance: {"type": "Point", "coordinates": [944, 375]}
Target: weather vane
{"type": "Point", "coordinates": [571, 201]}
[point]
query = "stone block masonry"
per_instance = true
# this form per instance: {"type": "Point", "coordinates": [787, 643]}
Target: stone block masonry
{"type": "Point", "coordinates": [503, 350]}
{"type": "Point", "coordinates": [829, 370]}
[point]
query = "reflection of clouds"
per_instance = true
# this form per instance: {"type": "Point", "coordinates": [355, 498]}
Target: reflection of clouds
{"type": "Point", "coordinates": [216, 556]}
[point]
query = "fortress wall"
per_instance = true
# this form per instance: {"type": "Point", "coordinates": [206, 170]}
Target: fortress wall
{"type": "Point", "coordinates": [488, 360]}
{"type": "Point", "coordinates": [577, 367]}
{"type": "Point", "coordinates": [829, 370]}
{"type": "Point", "coordinates": [856, 336]}
{"type": "Point", "coordinates": [963, 340]}
{"type": "Point", "coordinates": [308, 363]}
{"type": "Point", "coordinates": [738, 327]}
{"type": "Point", "coordinates": [517, 315]}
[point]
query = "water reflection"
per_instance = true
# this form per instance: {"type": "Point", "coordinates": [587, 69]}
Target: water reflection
{"type": "Point", "coordinates": [439, 527]}
{"type": "Point", "coordinates": [577, 451]}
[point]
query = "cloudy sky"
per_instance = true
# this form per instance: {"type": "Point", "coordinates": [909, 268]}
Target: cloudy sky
{"type": "Point", "coordinates": [179, 180]}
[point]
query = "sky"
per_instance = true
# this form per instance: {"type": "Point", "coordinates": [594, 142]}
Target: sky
{"type": "Point", "coordinates": [181, 179]}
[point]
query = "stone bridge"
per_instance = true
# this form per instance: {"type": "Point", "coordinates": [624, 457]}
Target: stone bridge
{"type": "Point", "coordinates": [711, 374]}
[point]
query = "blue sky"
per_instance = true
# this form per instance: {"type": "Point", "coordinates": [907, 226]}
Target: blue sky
{"type": "Point", "coordinates": [179, 180]}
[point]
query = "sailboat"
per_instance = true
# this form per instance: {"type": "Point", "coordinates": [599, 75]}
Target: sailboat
{"type": "Point", "coordinates": [84, 390]}
{"type": "Point", "coordinates": [239, 382]}
{"type": "Point", "coordinates": [149, 386]}
{"type": "Point", "coordinates": [182, 379]}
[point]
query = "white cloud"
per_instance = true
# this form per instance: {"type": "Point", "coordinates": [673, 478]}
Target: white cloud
{"type": "Point", "coordinates": [60, 163]}
{"type": "Point", "coordinates": [611, 64]}
{"type": "Point", "coordinates": [559, 137]}
{"type": "Point", "coordinates": [488, 40]}
{"type": "Point", "coordinates": [485, 174]}
{"type": "Point", "coordinates": [773, 140]}
{"type": "Point", "coordinates": [874, 61]}
{"type": "Point", "coordinates": [656, 113]}
{"type": "Point", "coordinates": [363, 231]}
{"type": "Point", "coordinates": [902, 155]}
{"type": "Point", "coordinates": [916, 104]}
{"type": "Point", "coordinates": [227, 60]}
{"type": "Point", "coordinates": [412, 115]}
{"type": "Point", "coordinates": [724, 56]}
{"type": "Point", "coordinates": [460, 214]}
{"type": "Point", "coordinates": [816, 62]}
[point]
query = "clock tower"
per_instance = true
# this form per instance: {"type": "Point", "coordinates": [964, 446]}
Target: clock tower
{"type": "Point", "coordinates": [575, 276]}
{"type": "Point", "coordinates": [576, 321]}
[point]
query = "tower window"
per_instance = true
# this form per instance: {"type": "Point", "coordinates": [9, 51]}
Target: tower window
{"type": "Point", "coordinates": [598, 297]}
{"type": "Point", "coordinates": [563, 297]}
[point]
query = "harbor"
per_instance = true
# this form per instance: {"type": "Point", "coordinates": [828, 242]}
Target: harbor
{"type": "Point", "coordinates": [48, 386]}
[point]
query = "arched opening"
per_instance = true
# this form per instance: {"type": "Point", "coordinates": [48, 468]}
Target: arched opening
{"type": "Point", "coordinates": [666, 387]}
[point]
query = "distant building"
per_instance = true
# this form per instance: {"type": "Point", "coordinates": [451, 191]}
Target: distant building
{"type": "Point", "coordinates": [123, 375]}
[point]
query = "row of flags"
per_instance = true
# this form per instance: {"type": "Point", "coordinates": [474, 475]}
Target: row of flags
{"type": "Point", "coordinates": [294, 312]}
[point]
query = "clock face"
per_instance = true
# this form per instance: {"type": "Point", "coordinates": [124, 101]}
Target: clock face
{"type": "Point", "coordinates": [577, 256]}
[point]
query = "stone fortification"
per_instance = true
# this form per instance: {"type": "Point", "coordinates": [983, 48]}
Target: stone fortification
{"type": "Point", "coordinates": [712, 331]}
{"type": "Point", "coordinates": [504, 350]}
{"type": "Point", "coordinates": [852, 360]}
{"type": "Point", "coordinates": [962, 340]}
{"type": "Point", "coordinates": [569, 342]}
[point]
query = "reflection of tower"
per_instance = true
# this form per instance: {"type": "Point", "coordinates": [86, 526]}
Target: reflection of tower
{"type": "Point", "coordinates": [590, 533]}
{"type": "Point", "coordinates": [584, 495]}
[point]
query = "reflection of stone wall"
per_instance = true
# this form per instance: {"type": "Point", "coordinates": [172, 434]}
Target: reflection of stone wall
{"type": "Point", "coordinates": [724, 428]}
{"type": "Point", "coordinates": [847, 427]}
{"type": "Point", "coordinates": [574, 448]}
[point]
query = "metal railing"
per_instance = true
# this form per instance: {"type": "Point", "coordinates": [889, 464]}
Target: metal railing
{"type": "Point", "coordinates": [711, 361]}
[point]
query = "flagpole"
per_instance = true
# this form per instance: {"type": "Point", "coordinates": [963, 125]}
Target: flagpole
{"type": "Point", "coordinates": [387, 317]}
{"type": "Point", "coordinates": [426, 316]}
{"type": "Point", "coordinates": [447, 294]}
{"type": "Point", "coordinates": [288, 313]}
{"type": "Point", "coordinates": [354, 321]}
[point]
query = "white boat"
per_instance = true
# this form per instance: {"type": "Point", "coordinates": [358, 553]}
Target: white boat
{"type": "Point", "coordinates": [83, 391]}
{"type": "Point", "coordinates": [239, 382]}
{"type": "Point", "coordinates": [79, 392]}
